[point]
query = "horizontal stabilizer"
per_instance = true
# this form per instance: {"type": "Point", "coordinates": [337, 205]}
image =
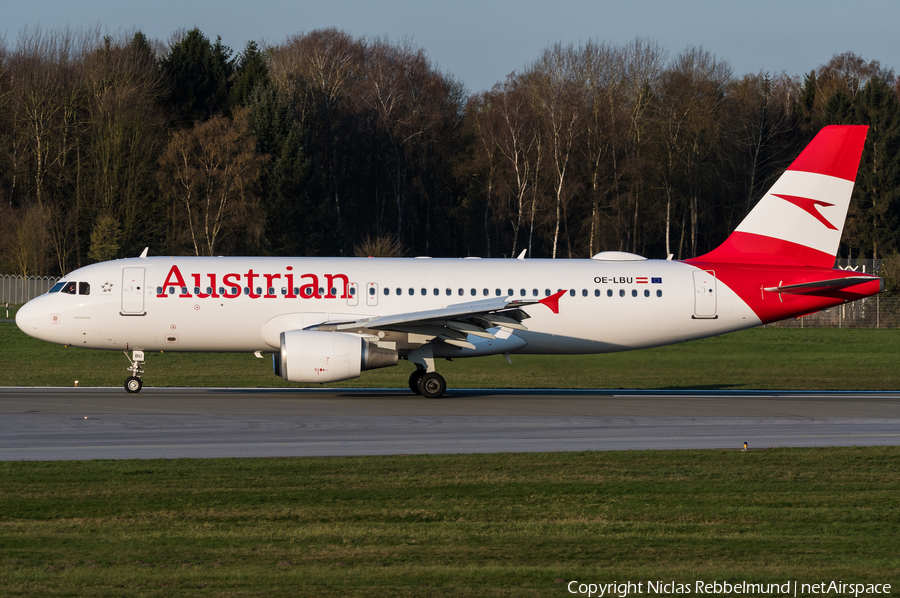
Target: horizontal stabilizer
{"type": "Point", "coordinates": [811, 288]}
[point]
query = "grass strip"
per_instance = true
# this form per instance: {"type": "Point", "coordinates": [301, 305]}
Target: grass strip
{"type": "Point", "coordinates": [760, 358]}
{"type": "Point", "coordinates": [455, 525]}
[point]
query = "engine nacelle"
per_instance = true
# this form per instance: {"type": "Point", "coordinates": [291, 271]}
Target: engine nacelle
{"type": "Point", "coordinates": [322, 356]}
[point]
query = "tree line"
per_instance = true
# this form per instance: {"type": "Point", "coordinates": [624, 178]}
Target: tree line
{"type": "Point", "coordinates": [328, 144]}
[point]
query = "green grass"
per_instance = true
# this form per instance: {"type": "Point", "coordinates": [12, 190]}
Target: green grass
{"type": "Point", "coordinates": [761, 358]}
{"type": "Point", "coordinates": [465, 525]}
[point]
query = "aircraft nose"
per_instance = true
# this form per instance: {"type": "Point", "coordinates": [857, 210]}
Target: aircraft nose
{"type": "Point", "coordinates": [27, 318]}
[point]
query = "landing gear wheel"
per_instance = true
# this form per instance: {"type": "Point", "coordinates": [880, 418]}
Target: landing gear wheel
{"type": "Point", "coordinates": [432, 385]}
{"type": "Point", "coordinates": [133, 384]}
{"type": "Point", "coordinates": [414, 380]}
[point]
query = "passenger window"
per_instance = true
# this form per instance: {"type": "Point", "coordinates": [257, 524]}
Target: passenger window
{"type": "Point", "coordinates": [449, 292]}
{"type": "Point", "coordinates": [546, 292]}
{"type": "Point", "coordinates": [387, 291]}
{"type": "Point", "coordinates": [473, 292]}
{"type": "Point", "coordinates": [646, 293]}
{"type": "Point", "coordinates": [69, 289]}
{"type": "Point", "coordinates": [372, 291]}
{"type": "Point", "coordinates": [485, 293]}
{"type": "Point", "coordinates": [399, 291]}
{"type": "Point", "coordinates": [84, 288]}
{"type": "Point", "coordinates": [461, 292]}
{"type": "Point", "coordinates": [424, 292]}
{"type": "Point", "coordinates": [584, 292]}
{"type": "Point", "coordinates": [196, 290]}
{"type": "Point", "coordinates": [571, 292]}
{"type": "Point", "coordinates": [171, 290]}
{"type": "Point", "coordinates": [321, 292]}
{"type": "Point", "coordinates": [534, 292]}
{"type": "Point", "coordinates": [634, 292]}
{"type": "Point", "coordinates": [412, 292]}
{"type": "Point", "coordinates": [609, 292]}
{"type": "Point", "coordinates": [596, 292]}
{"type": "Point", "coordinates": [621, 292]}
{"type": "Point", "coordinates": [510, 293]}
{"type": "Point", "coordinates": [437, 292]}
{"type": "Point", "coordinates": [659, 293]}
{"type": "Point", "coordinates": [521, 292]}
{"type": "Point", "coordinates": [246, 290]}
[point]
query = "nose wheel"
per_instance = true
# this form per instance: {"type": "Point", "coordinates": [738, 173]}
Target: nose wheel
{"type": "Point", "coordinates": [133, 383]}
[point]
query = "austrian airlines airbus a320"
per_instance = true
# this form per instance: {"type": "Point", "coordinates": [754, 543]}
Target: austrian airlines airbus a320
{"type": "Point", "coordinates": [327, 319]}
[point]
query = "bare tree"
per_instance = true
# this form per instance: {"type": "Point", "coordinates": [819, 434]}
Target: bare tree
{"type": "Point", "coordinates": [210, 171]}
{"type": "Point", "coordinates": [124, 88]}
{"type": "Point", "coordinates": [555, 102]}
{"type": "Point", "coordinates": [692, 95]}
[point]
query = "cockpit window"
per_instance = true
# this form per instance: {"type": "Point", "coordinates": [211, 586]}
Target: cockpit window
{"type": "Point", "coordinates": [84, 288]}
{"type": "Point", "coordinates": [56, 288]}
{"type": "Point", "coordinates": [69, 289]}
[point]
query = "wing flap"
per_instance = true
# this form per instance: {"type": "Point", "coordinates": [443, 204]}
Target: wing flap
{"type": "Point", "coordinates": [453, 323]}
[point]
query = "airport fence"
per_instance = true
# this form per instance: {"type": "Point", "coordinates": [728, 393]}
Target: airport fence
{"type": "Point", "coordinates": [19, 289]}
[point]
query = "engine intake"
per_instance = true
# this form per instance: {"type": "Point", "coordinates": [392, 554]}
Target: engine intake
{"type": "Point", "coordinates": [322, 356]}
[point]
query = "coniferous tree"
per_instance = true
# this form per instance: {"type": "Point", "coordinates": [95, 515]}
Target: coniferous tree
{"type": "Point", "coordinates": [198, 72]}
{"type": "Point", "coordinates": [251, 71]}
{"type": "Point", "coordinates": [299, 218]}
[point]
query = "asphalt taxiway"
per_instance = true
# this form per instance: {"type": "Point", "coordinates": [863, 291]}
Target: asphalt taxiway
{"type": "Point", "coordinates": [108, 423]}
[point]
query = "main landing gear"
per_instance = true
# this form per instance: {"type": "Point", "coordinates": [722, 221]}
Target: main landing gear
{"type": "Point", "coordinates": [430, 385]}
{"type": "Point", "coordinates": [425, 381]}
{"type": "Point", "coordinates": [133, 382]}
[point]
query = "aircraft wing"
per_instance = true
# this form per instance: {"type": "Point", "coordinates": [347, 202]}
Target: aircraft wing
{"type": "Point", "coordinates": [811, 288]}
{"type": "Point", "coordinates": [453, 323]}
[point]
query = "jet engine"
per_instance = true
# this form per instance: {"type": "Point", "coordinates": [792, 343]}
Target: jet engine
{"type": "Point", "coordinates": [322, 356]}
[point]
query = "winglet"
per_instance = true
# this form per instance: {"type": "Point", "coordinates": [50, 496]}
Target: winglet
{"type": "Point", "coordinates": [553, 301]}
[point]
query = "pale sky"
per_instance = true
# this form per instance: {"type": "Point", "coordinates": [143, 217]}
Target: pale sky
{"type": "Point", "coordinates": [481, 41]}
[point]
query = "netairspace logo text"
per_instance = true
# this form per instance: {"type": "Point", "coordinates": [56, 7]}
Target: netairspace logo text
{"type": "Point", "coordinates": [791, 588]}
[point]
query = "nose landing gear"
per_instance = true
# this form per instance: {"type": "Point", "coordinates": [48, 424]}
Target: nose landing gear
{"type": "Point", "coordinates": [133, 383]}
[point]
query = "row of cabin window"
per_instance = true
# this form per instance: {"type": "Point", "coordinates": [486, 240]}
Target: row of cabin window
{"type": "Point", "coordinates": [511, 292]}
{"type": "Point", "coordinates": [399, 291]}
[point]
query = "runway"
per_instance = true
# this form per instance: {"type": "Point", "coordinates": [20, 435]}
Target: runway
{"type": "Point", "coordinates": [107, 423]}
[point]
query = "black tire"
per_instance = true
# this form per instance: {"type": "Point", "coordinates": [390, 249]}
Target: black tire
{"type": "Point", "coordinates": [414, 380]}
{"type": "Point", "coordinates": [133, 384]}
{"type": "Point", "coordinates": [432, 386]}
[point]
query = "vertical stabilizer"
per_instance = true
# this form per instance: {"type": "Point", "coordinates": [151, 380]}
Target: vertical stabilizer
{"type": "Point", "coordinates": [799, 221]}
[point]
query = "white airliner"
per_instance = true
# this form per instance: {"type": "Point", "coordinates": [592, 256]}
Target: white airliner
{"type": "Point", "coordinates": [327, 319]}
